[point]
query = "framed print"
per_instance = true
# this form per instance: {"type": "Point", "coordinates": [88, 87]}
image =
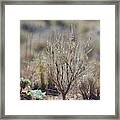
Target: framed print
{"type": "Point", "coordinates": [59, 59]}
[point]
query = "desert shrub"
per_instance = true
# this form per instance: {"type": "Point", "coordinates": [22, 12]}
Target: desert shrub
{"type": "Point", "coordinates": [90, 83]}
{"type": "Point", "coordinates": [24, 83]}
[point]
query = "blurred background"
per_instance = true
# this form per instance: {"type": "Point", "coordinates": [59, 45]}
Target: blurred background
{"type": "Point", "coordinates": [36, 33]}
